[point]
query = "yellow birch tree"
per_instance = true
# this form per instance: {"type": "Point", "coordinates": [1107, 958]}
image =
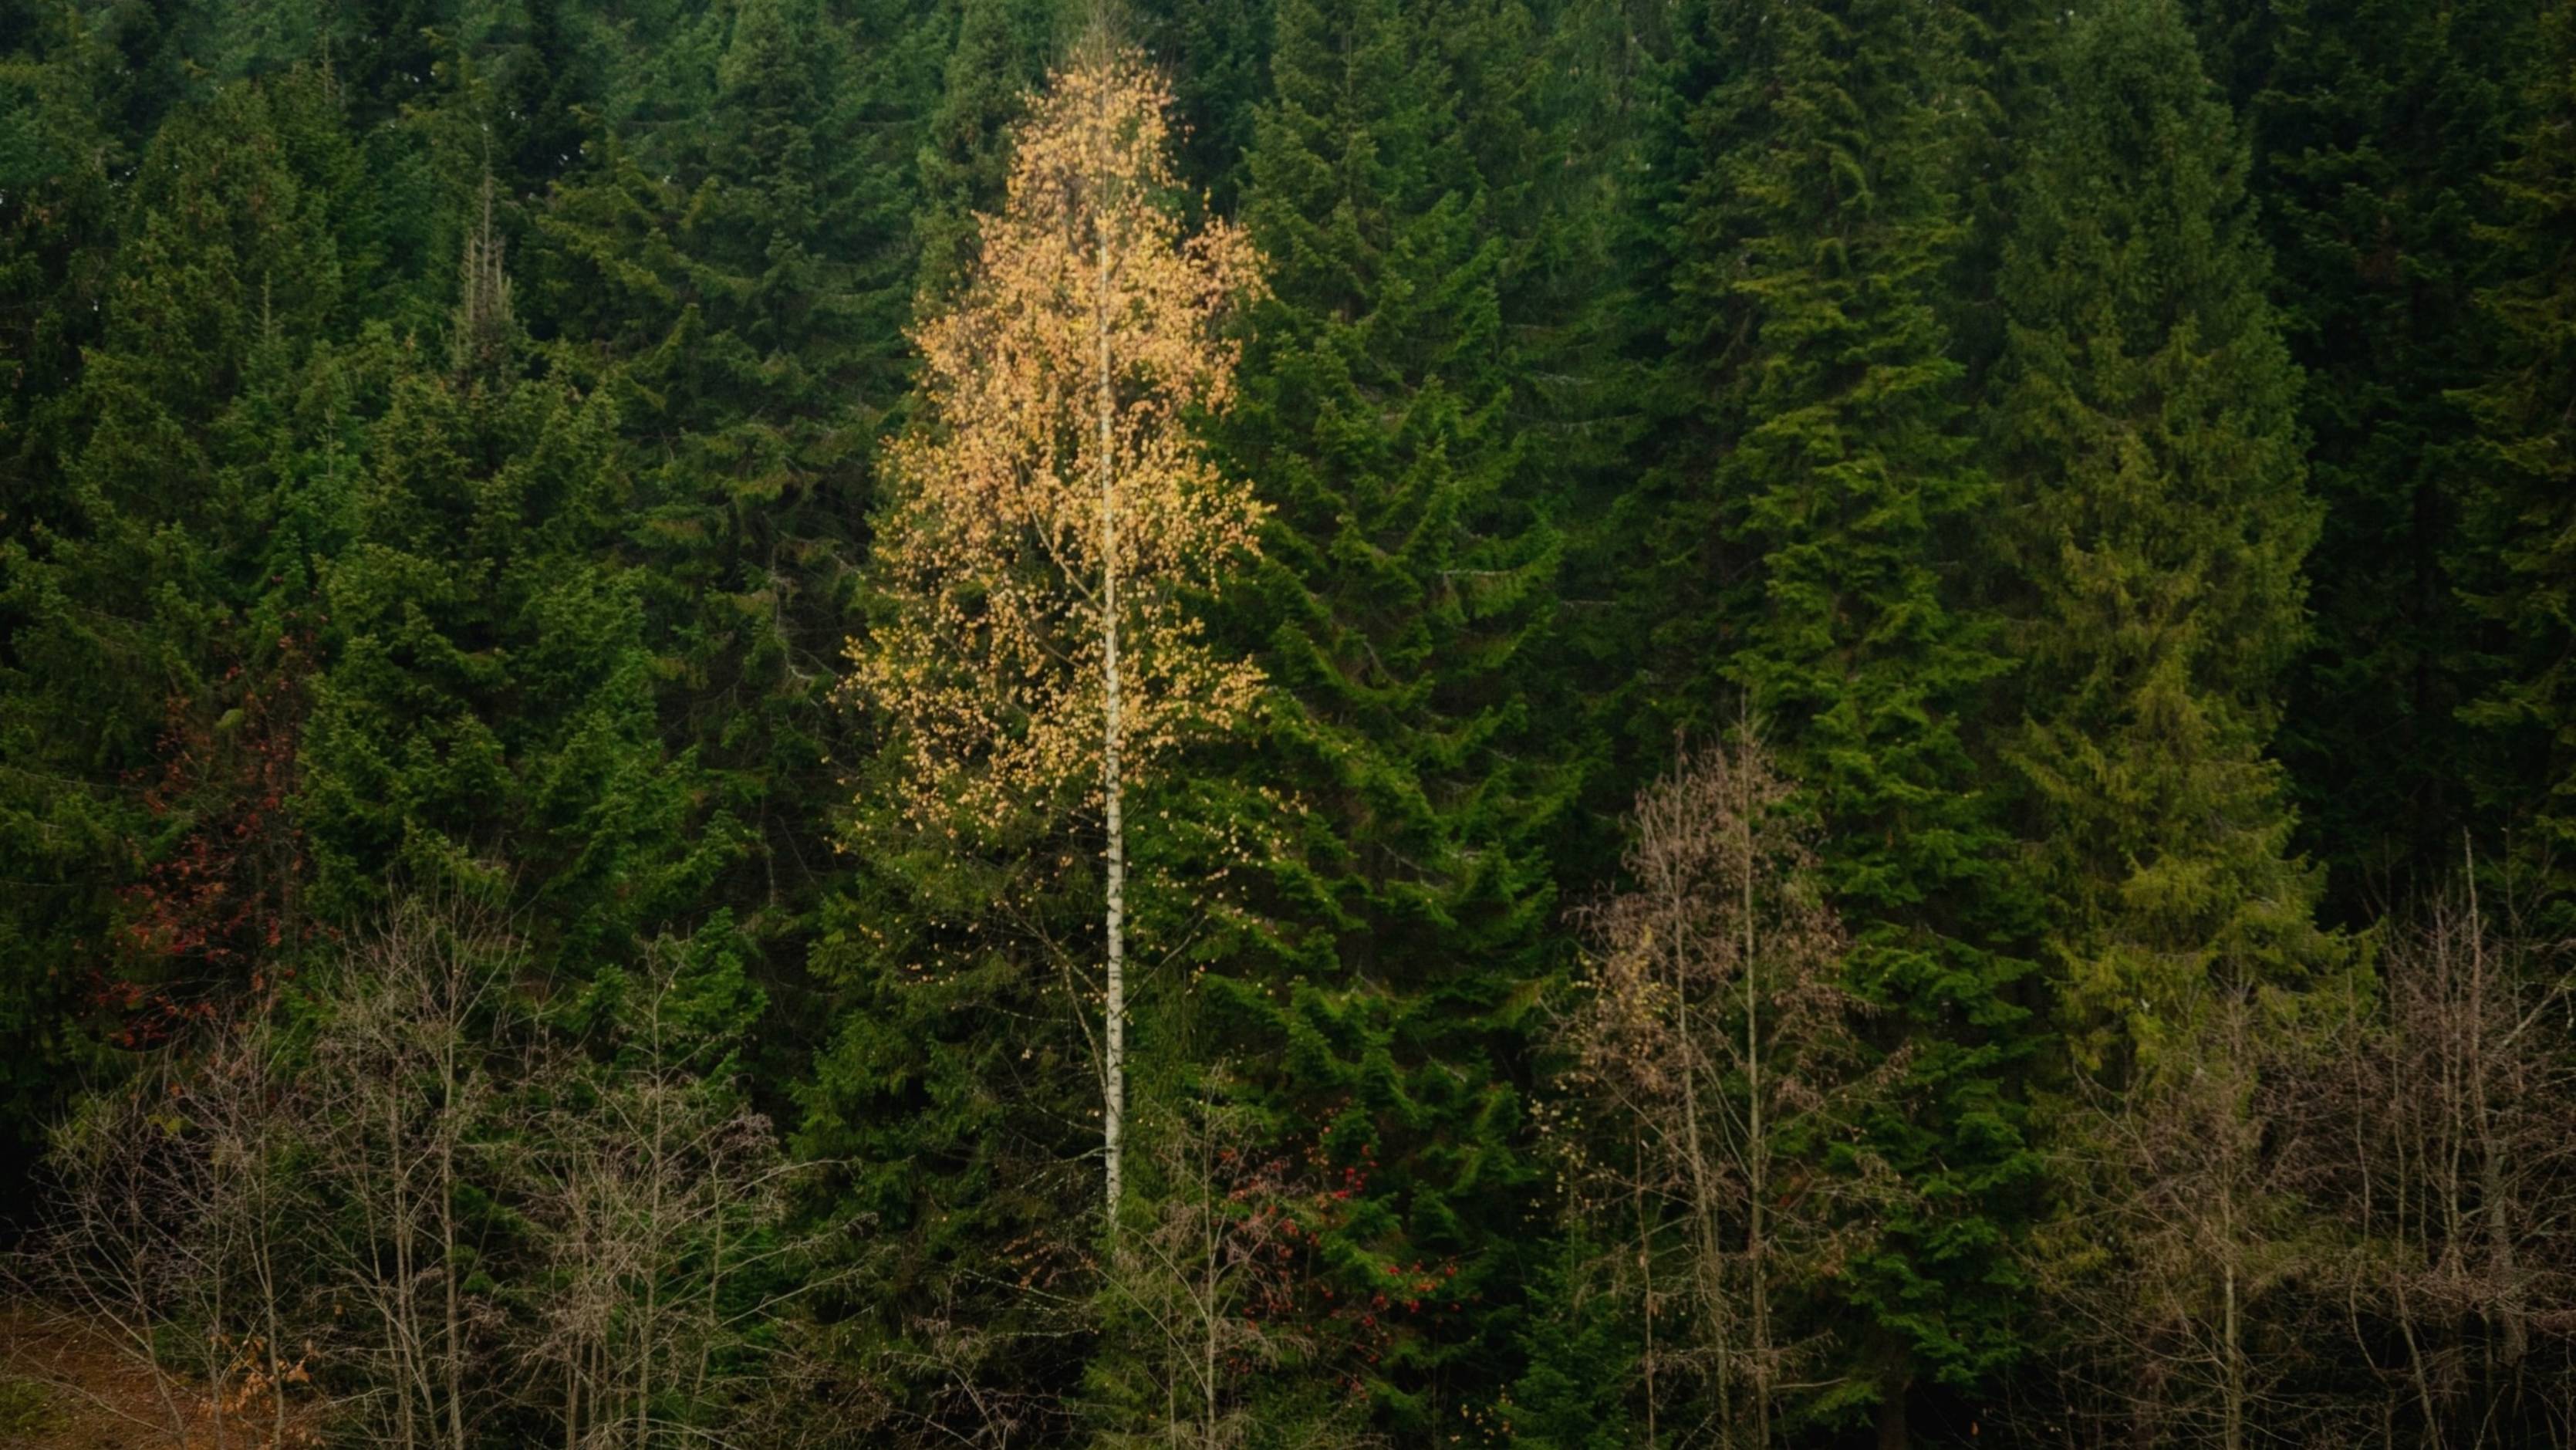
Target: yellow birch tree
{"type": "Point", "coordinates": [1055, 513]}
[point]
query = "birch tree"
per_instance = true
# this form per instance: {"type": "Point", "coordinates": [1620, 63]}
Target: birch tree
{"type": "Point", "coordinates": [1056, 518]}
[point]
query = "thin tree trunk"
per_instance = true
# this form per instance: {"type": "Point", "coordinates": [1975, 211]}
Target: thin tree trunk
{"type": "Point", "coordinates": [1709, 1260]}
{"type": "Point", "coordinates": [215, 1356]}
{"type": "Point", "coordinates": [1757, 1155]}
{"type": "Point", "coordinates": [1209, 1307]}
{"type": "Point", "coordinates": [406, 1326]}
{"type": "Point", "coordinates": [448, 1128]}
{"type": "Point", "coordinates": [1646, 1274]}
{"type": "Point", "coordinates": [2415, 1360]}
{"type": "Point", "coordinates": [654, 1237]}
{"type": "Point", "coordinates": [1893, 1432]}
{"type": "Point", "coordinates": [2493, 1199]}
{"type": "Point", "coordinates": [1113, 1125]}
{"type": "Point", "coordinates": [2235, 1360]}
{"type": "Point", "coordinates": [715, 1287]}
{"type": "Point", "coordinates": [265, 1251]}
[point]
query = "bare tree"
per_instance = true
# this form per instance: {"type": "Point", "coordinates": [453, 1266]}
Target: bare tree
{"type": "Point", "coordinates": [656, 1208]}
{"type": "Point", "coordinates": [466, 1209]}
{"type": "Point", "coordinates": [417, 1051]}
{"type": "Point", "coordinates": [2437, 1131]}
{"type": "Point", "coordinates": [1715, 1053]}
{"type": "Point", "coordinates": [176, 1233]}
{"type": "Point", "coordinates": [1218, 1285]}
{"type": "Point", "coordinates": [2180, 1235]}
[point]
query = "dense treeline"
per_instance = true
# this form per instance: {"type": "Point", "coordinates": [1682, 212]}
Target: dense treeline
{"type": "Point", "coordinates": [1293, 722]}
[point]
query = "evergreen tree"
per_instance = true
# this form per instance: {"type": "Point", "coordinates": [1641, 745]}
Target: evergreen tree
{"type": "Point", "coordinates": [488, 711]}
{"type": "Point", "coordinates": [1797, 535]}
{"type": "Point", "coordinates": [739, 278]}
{"type": "Point", "coordinates": [159, 581]}
{"type": "Point", "coordinates": [57, 213]}
{"type": "Point", "coordinates": [2374, 128]}
{"type": "Point", "coordinates": [2522, 527]}
{"type": "Point", "coordinates": [1219, 55]}
{"type": "Point", "coordinates": [999, 55]}
{"type": "Point", "coordinates": [56, 232]}
{"type": "Point", "coordinates": [1402, 582]}
{"type": "Point", "coordinates": [2144, 427]}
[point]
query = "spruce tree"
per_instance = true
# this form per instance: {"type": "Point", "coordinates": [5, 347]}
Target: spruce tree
{"type": "Point", "coordinates": [1218, 52]}
{"type": "Point", "coordinates": [56, 219]}
{"type": "Point", "coordinates": [57, 242]}
{"type": "Point", "coordinates": [158, 584]}
{"type": "Point", "coordinates": [2145, 429]}
{"type": "Point", "coordinates": [486, 719]}
{"type": "Point", "coordinates": [1403, 579]}
{"type": "Point", "coordinates": [739, 278]}
{"type": "Point", "coordinates": [999, 53]}
{"type": "Point", "coordinates": [1798, 541]}
{"type": "Point", "coordinates": [2522, 528]}
{"type": "Point", "coordinates": [2374, 128]}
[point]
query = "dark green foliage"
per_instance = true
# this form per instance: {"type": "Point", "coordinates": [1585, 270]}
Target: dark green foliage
{"type": "Point", "coordinates": [1001, 50]}
{"type": "Point", "coordinates": [57, 239]}
{"type": "Point", "coordinates": [438, 444]}
{"type": "Point", "coordinates": [158, 578]}
{"type": "Point", "coordinates": [2522, 562]}
{"type": "Point", "coordinates": [489, 702]}
{"type": "Point", "coordinates": [1799, 545]}
{"type": "Point", "coordinates": [1218, 54]}
{"type": "Point", "coordinates": [1405, 574]}
{"type": "Point", "coordinates": [1581, 1355]}
{"type": "Point", "coordinates": [739, 277]}
{"type": "Point", "coordinates": [966, 1154]}
{"type": "Point", "coordinates": [2375, 127]}
{"type": "Point", "coordinates": [57, 230]}
{"type": "Point", "coordinates": [2143, 428]}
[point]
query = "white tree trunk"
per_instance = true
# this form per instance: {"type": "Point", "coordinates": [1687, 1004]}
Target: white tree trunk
{"type": "Point", "coordinates": [1113, 1068]}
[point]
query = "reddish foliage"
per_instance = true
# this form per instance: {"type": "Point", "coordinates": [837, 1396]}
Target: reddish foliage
{"type": "Point", "coordinates": [221, 895]}
{"type": "Point", "coordinates": [1299, 1215]}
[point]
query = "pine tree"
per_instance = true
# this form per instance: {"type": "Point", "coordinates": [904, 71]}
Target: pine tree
{"type": "Point", "coordinates": [2522, 532]}
{"type": "Point", "coordinates": [1797, 533]}
{"type": "Point", "coordinates": [2145, 428]}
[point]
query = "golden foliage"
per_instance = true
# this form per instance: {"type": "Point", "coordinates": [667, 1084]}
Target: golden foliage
{"type": "Point", "coordinates": [1090, 315]}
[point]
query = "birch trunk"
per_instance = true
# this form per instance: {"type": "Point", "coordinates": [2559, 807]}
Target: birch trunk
{"type": "Point", "coordinates": [1113, 1067]}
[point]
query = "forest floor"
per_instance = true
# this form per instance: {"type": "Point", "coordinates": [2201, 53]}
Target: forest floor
{"type": "Point", "coordinates": [66, 1384]}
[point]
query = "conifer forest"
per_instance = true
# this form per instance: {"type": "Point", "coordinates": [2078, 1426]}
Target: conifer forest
{"type": "Point", "coordinates": [1288, 724]}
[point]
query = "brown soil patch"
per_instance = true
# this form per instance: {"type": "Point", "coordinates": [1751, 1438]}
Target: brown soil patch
{"type": "Point", "coordinates": [95, 1393]}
